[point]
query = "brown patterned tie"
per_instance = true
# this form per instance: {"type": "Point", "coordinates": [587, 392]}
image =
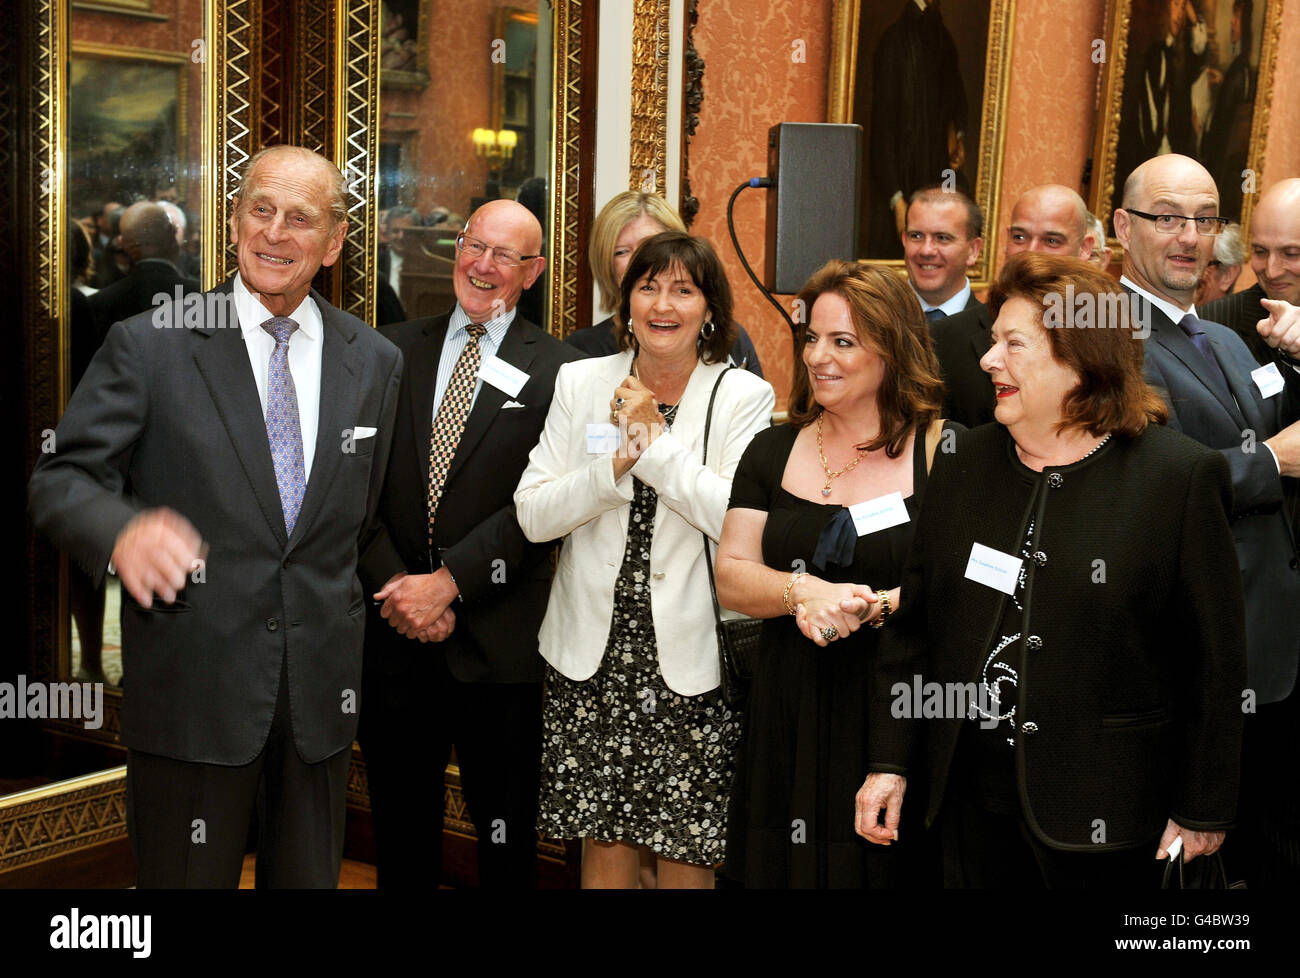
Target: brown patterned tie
{"type": "Point", "coordinates": [449, 424]}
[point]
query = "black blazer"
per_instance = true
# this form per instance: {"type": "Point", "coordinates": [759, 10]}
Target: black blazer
{"type": "Point", "coordinates": [1134, 683]}
{"type": "Point", "coordinates": [1235, 427]}
{"type": "Point", "coordinates": [960, 342]}
{"type": "Point", "coordinates": [135, 292]}
{"type": "Point", "coordinates": [171, 417]}
{"type": "Point", "coordinates": [504, 580]}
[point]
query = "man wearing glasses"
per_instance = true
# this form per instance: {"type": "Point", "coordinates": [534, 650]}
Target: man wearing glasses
{"type": "Point", "coordinates": [458, 592]}
{"type": "Point", "coordinates": [1220, 396]}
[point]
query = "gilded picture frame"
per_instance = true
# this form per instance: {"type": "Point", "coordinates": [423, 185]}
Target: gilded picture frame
{"type": "Point", "coordinates": [1128, 131]}
{"type": "Point", "coordinates": [983, 41]}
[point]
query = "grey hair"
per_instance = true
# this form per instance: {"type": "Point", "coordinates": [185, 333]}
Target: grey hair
{"type": "Point", "coordinates": [1229, 249]}
{"type": "Point", "coordinates": [336, 190]}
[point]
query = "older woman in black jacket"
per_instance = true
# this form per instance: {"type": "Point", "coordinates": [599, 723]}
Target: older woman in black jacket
{"type": "Point", "coordinates": [1071, 633]}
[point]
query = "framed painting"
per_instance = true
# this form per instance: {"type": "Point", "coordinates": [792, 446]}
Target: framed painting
{"type": "Point", "coordinates": [1192, 77]}
{"type": "Point", "coordinates": [928, 85]}
{"type": "Point", "coordinates": [404, 43]}
{"type": "Point", "coordinates": [126, 124]}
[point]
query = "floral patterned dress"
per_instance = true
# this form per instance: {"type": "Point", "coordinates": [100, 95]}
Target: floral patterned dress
{"type": "Point", "coordinates": [624, 758]}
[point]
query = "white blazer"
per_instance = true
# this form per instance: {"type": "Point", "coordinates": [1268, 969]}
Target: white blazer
{"type": "Point", "coordinates": [566, 492]}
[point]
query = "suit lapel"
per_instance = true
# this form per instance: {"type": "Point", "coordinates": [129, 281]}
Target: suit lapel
{"type": "Point", "coordinates": [517, 349]}
{"type": "Point", "coordinates": [222, 361]}
{"type": "Point", "coordinates": [422, 368]}
{"type": "Point", "coordinates": [1242, 386]}
{"type": "Point", "coordinates": [1173, 339]}
{"type": "Point", "coordinates": [339, 409]}
{"type": "Point", "coordinates": [1171, 336]}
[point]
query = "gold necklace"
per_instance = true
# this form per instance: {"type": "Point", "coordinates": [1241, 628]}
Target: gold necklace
{"type": "Point", "coordinates": [826, 489]}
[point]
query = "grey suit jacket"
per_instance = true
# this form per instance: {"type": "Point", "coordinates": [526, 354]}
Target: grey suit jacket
{"type": "Point", "coordinates": [171, 417]}
{"type": "Point", "coordinates": [1236, 427]}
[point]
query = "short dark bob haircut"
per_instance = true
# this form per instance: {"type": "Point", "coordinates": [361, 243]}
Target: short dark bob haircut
{"type": "Point", "coordinates": [700, 261]}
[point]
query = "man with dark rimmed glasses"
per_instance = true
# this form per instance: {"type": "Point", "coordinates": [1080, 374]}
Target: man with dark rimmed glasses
{"type": "Point", "coordinates": [1219, 395]}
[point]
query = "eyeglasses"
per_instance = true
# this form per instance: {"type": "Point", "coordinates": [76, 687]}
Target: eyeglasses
{"type": "Point", "coordinates": [1174, 223]}
{"type": "Point", "coordinates": [504, 257]}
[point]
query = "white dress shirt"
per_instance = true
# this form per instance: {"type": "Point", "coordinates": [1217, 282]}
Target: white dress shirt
{"type": "Point", "coordinates": [454, 343]}
{"type": "Point", "coordinates": [953, 306]}
{"type": "Point", "coordinates": [304, 359]}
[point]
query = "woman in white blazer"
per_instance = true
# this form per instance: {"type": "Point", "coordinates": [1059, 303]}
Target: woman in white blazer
{"type": "Point", "coordinates": [637, 745]}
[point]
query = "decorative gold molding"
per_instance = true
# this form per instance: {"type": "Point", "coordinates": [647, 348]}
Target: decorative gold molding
{"type": "Point", "coordinates": [842, 79]}
{"type": "Point", "coordinates": [649, 122]}
{"type": "Point", "coordinates": [58, 819]}
{"type": "Point", "coordinates": [356, 150]}
{"type": "Point", "coordinates": [844, 62]}
{"type": "Point", "coordinates": [565, 178]}
{"type": "Point", "coordinates": [228, 128]}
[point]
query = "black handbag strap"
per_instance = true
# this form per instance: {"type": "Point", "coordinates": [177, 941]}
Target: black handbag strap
{"type": "Point", "coordinates": [708, 561]}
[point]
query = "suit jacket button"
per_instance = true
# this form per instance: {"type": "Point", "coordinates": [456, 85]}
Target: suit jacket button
{"type": "Point", "coordinates": [1040, 559]}
{"type": "Point", "coordinates": [1295, 563]}
{"type": "Point", "coordinates": [272, 624]}
{"type": "Point", "coordinates": [1033, 643]}
{"type": "Point", "coordinates": [1029, 727]}
{"type": "Point", "coordinates": [1056, 480]}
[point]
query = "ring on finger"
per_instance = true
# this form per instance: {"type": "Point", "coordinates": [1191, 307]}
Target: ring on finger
{"type": "Point", "coordinates": [830, 633]}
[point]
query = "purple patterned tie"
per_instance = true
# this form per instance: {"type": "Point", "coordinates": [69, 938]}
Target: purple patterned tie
{"type": "Point", "coordinates": [283, 427]}
{"type": "Point", "coordinates": [1192, 327]}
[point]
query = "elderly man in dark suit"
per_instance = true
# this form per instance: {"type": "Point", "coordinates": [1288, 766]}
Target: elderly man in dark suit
{"type": "Point", "coordinates": [450, 566]}
{"type": "Point", "coordinates": [1218, 395]}
{"type": "Point", "coordinates": [1048, 218]}
{"type": "Point", "coordinates": [229, 470]}
{"type": "Point", "coordinates": [149, 240]}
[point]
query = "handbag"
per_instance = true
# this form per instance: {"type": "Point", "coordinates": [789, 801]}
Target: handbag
{"type": "Point", "coordinates": [1205, 873]}
{"type": "Point", "coordinates": [738, 638]}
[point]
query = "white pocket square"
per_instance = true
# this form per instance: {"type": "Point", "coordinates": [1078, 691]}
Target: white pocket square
{"type": "Point", "coordinates": [360, 431]}
{"type": "Point", "coordinates": [510, 404]}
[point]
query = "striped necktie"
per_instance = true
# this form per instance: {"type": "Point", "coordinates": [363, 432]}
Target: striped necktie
{"type": "Point", "coordinates": [283, 426]}
{"type": "Point", "coordinates": [449, 424]}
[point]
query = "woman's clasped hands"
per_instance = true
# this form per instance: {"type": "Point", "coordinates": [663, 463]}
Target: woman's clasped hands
{"type": "Point", "coordinates": [825, 612]}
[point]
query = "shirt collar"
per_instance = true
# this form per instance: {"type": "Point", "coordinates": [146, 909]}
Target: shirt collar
{"type": "Point", "coordinates": [1164, 305]}
{"type": "Point", "coordinates": [953, 305]}
{"type": "Point", "coordinates": [252, 314]}
{"type": "Point", "coordinates": [496, 328]}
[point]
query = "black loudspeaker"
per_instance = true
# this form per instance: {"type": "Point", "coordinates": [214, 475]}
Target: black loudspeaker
{"type": "Point", "coordinates": [813, 203]}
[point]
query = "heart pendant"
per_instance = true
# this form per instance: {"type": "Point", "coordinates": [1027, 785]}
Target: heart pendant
{"type": "Point", "coordinates": [826, 491]}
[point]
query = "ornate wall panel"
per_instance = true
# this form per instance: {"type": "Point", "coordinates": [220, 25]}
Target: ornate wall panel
{"type": "Point", "coordinates": [355, 149]}
{"type": "Point", "coordinates": [649, 139]}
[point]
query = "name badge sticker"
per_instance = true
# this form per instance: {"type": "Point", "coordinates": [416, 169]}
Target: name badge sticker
{"type": "Point", "coordinates": [1268, 379]}
{"type": "Point", "coordinates": [502, 376]}
{"type": "Point", "coordinates": [879, 514]}
{"type": "Point", "coordinates": [993, 568]}
{"type": "Point", "coordinates": [602, 439]}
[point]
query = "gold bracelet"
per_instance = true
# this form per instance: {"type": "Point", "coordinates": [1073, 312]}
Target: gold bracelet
{"type": "Point", "coordinates": [885, 610]}
{"type": "Point", "coordinates": [785, 597]}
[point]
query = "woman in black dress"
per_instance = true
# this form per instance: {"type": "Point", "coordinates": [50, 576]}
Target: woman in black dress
{"type": "Point", "coordinates": [814, 541]}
